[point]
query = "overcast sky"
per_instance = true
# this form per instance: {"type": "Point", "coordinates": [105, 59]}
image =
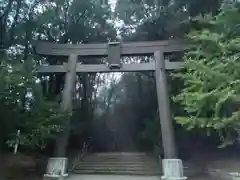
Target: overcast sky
{"type": "Point", "coordinates": [113, 3]}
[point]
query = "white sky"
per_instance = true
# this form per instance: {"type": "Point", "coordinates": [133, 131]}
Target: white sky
{"type": "Point", "coordinates": [113, 3]}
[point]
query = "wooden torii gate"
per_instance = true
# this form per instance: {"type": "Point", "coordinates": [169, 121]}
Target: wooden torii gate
{"type": "Point", "coordinates": [172, 167]}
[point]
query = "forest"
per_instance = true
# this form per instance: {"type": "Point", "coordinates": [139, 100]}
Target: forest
{"type": "Point", "coordinates": [118, 111]}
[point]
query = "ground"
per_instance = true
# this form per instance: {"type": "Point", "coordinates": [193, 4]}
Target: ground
{"type": "Point", "coordinates": [118, 177]}
{"type": "Point", "coordinates": [28, 168]}
{"type": "Point", "coordinates": [111, 177]}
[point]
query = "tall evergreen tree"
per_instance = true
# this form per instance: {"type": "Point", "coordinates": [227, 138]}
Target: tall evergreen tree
{"type": "Point", "coordinates": [211, 76]}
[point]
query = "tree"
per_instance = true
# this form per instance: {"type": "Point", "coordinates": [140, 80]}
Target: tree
{"type": "Point", "coordinates": [24, 107]}
{"type": "Point", "coordinates": [160, 19]}
{"type": "Point", "coordinates": [23, 22]}
{"type": "Point", "coordinates": [146, 21]}
{"type": "Point", "coordinates": [212, 76]}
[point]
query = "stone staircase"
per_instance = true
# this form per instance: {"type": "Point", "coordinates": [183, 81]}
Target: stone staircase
{"type": "Point", "coordinates": [118, 163]}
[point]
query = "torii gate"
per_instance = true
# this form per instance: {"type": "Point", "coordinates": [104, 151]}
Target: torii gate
{"type": "Point", "coordinates": [172, 167]}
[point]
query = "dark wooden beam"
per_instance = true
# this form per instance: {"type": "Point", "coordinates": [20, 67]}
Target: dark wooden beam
{"type": "Point", "coordinates": [167, 131]}
{"type": "Point", "coordinates": [66, 105]}
{"type": "Point", "coordinates": [90, 68]}
{"type": "Point", "coordinates": [127, 49]}
{"type": "Point", "coordinates": [114, 55]}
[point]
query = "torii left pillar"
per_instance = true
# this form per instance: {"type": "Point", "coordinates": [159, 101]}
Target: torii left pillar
{"type": "Point", "coordinates": [57, 166]}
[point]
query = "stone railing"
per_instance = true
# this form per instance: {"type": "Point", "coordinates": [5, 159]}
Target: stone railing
{"type": "Point", "coordinates": [79, 156]}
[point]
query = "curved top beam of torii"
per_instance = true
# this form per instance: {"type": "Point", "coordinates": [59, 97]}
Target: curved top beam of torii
{"type": "Point", "coordinates": [127, 49]}
{"type": "Point", "coordinates": [114, 51]}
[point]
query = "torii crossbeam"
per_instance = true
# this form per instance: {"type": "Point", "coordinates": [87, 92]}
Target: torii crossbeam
{"type": "Point", "coordinates": [113, 51]}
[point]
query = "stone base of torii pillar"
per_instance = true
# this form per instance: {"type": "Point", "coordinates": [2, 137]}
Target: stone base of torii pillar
{"type": "Point", "coordinates": [172, 169]}
{"type": "Point", "coordinates": [56, 168]}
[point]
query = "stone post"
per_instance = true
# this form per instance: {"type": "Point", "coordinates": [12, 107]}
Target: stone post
{"type": "Point", "coordinates": [56, 168]}
{"type": "Point", "coordinates": [172, 169]}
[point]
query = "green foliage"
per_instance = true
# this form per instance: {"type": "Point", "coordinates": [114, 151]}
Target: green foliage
{"type": "Point", "coordinates": [42, 124]}
{"type": "Point", "coordinates": [24, 107]}
{"type": "Point", "coordinates": [212, 76]}
{"type": "Point", "coordinates": [161, 19]}
{"type": "Point", "coordinates": [143, 21]}
{"type": "Point", "coordinates": [28, 103]}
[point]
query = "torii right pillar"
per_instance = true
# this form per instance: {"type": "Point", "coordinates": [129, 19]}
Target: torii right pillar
{"type": "Point", "coordinates": [172, 166]}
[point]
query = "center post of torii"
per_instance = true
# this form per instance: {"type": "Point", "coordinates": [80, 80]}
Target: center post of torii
{"type": "Point", "coordinates": [172, 166]}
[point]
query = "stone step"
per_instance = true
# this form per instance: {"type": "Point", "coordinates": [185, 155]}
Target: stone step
{"type": "Point", "coordinates": [120, 154]}
{"type": "Point", "coordinates": [188, 173]}
{"type": "Point", "coordinates": [119, 157]}
{"type": "Point", "coordinates": [120, 163]}
{"type": "Point", "coordinates": [115, 167]}
{"type": "Point", "coordinates": [120, 160]}
{"type": "Point", "coordinates": [119, 172]}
